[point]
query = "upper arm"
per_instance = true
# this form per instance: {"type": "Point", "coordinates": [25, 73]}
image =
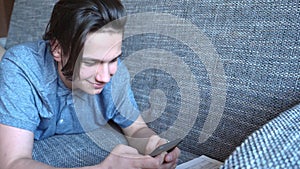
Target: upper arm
{"type": "Point", "coordinates": [15, 144]}
{"type": "Point", "coordinates": [20, 103]}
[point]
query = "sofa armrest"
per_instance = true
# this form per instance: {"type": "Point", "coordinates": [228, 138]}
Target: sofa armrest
{"type": "Point", "coordinates": [275, 145]}
{"type": "Point", "coordinates": [2, 51]}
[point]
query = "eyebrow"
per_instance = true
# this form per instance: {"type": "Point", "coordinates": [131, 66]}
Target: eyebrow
{"type": "Point", "coordinates": [98, 60]}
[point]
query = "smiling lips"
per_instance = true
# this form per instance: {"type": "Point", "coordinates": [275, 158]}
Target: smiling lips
{"type": "Point", "coordinates": [98, 85]}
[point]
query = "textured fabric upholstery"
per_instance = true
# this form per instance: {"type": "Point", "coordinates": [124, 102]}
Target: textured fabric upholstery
{"type": "Point", "coordinates": [258, 45]}
{"type": "Point", "coordinates": [255, 48]}
{"type": "Point", "coordinates": [83, 149]}
{"type": "Point", "coordinates": [28, 20]}
{"type": "Point", "coordinates": [68, 151]}
{"type": "Point", "coordinates": [275, 145]}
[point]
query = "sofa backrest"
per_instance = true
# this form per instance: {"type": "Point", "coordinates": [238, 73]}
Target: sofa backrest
{"type": "Point", "coordinates": [28, 21]}
{"type": "Point", "coordinates": [248, 49]}
{"type": "Point", "coordinates": [213, 71]}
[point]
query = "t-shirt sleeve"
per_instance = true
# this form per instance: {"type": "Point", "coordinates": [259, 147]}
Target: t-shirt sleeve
{"type": "Point", "coordinates": [123, 98]}
{"type": "Point", "coordinates": [18, 105]}
{"type": "Point", "coordinates": [127, 110]}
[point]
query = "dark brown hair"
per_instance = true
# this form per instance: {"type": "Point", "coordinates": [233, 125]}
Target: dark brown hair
{"type": "Point", "coordinates": [72, 20]}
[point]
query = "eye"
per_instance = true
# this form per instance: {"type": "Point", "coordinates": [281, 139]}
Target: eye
{"type": "Point", "coordinates": [89, 63]}
{"type": "Point", "coordinates": [114, 60]}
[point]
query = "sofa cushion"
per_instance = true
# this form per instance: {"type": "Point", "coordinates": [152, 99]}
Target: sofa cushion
{"type": "Point", "coordinates": [68, 151]}
{"type": "Point", "coordinates": [80, 150]}
{"type": "Point", "coordinates": [275, 145]}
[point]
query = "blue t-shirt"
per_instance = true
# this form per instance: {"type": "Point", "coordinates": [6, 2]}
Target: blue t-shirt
{"type": "Point", "coordinates": [34, 98]}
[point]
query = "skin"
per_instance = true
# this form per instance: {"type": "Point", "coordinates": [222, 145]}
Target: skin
{"type": "Point", "coordinates": [100, 54]}
{"type": "Point", "coordinates": [99, 62]}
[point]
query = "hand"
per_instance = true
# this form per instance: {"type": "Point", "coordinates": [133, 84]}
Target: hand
{"type": "Point", "coordinates": [170, 159]}
{"type": "Point", "coordinates": [126, 157]}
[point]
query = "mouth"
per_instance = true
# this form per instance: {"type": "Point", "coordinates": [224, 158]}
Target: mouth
{"type": "Point", "coordinates": [97, 85]}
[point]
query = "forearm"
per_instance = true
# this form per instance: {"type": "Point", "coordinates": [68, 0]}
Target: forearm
{"type": "Point", "coordinates": [26, 163]}
{"type": "Point", "coordinates": [140, 139]}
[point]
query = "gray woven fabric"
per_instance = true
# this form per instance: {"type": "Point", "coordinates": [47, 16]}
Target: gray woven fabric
{"type": "Point", "coordinates": [28, 20]}
{"type": "Point", "coordinates": [83, 149]}
{"type": "Point", "coordinates": [257, 44]}
{"type": "Point", "coordinates": [275, 145]}
{"type": "Point", "coordinates": [78, 150]}
{"type": "Point", "coordinates": [68, 151]}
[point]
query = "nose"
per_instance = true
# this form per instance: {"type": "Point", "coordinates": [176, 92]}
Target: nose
{"type": "Point", "coordinates": [103, 74]}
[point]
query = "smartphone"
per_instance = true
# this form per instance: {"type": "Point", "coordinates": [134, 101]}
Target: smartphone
{"type": "Point", "coordinates": [168, 147]}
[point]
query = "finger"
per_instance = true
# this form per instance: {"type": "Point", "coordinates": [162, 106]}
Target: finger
{"type": "Point", "coordinates": [161, 157]}
{"type": "Point", "coordinates": [153, 142]}
{"type": "Point", "coordinates": [147, 162]}
{"type": "Point", "coordinates": [163, 141]}
{"type": "Point", "coordinates": [125, 151]}
{"type": "Point", "coordinates": [129, 156]}
{"type": "Point", "coordinates": [169, 165]}
{"type": "Point", "coordinates": [173, 155]}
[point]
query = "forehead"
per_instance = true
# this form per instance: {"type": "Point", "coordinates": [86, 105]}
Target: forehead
{"type": "Point", "coordinates": [100, 44]}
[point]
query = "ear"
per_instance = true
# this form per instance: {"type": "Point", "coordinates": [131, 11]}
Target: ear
{"type": "Point", "coordinates": [56, 50]}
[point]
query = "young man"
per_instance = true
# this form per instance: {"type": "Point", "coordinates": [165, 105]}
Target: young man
{"type": "Point", "coordinates": [79, 54]}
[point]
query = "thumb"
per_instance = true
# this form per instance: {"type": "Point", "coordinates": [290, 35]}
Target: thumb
{"type": "Point", "coordinates": [161, 157]}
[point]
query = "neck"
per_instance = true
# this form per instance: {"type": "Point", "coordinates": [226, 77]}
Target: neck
{"type": "Point", "coordinates": [67, 82]}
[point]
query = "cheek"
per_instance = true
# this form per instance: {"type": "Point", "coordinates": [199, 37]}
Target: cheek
{"type": "Point", "coordinates": [113, 68]}
{"type": "Point", "coordinates": [86, 72]}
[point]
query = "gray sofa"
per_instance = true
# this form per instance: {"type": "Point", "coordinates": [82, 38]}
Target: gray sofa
{"type": "Point", "coordinates": [223, 75]}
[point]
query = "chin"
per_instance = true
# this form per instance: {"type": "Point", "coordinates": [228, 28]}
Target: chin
{"type": "Point", "coordinates": [97, 91]}
{"type": "Point", "coordinates": [92, 91]}
{"type": "Point", "coordinates": [88, 88]}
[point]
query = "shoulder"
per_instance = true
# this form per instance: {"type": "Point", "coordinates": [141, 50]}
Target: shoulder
{"type": "Point", "coordinates": [32, 61]}
{"type": "Point", "coordinates": [28, 53]}
{"type": "Point", "coordinates": [32, 56]}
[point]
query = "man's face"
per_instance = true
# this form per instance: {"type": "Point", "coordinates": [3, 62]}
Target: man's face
{"type": "Point", "coordinates": [99, 61]}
